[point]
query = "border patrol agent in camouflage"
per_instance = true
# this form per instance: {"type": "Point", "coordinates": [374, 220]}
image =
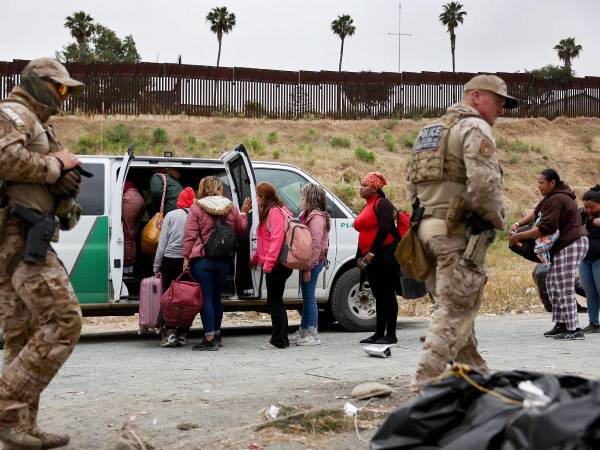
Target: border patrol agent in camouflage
{"type": "Point", "coordinates": [454, 170]}
{"type": "Point", "coordinates": [38, 309]}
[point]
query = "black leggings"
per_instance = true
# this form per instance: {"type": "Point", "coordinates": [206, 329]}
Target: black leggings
{"type": "Point", "coordinates": [275, 287]}
{"type": "Point", "coordinates": [382, 275]}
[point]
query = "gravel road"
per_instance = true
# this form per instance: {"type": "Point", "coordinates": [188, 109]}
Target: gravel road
{"type": "Point", "coordinates": [111, 379]}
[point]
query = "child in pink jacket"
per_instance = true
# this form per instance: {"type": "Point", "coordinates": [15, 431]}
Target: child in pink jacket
{"type": "Point", "coordinates": [271, 234]}
{"type": "Point", "coordinates": [315, 217]}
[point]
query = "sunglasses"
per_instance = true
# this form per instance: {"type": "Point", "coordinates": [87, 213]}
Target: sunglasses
{"type": "Point", "coordinates": [63, 89]}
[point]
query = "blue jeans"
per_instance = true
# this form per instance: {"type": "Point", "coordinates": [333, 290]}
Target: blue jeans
{"type": "Point", "coordinates": [589, 271]}
{"type": "Point", "coordinates": [309, 307]}
{"type": "Point", "coordinates": [211, 274]}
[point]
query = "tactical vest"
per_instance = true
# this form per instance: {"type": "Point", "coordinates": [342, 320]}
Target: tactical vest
{"type": "Point", "coordinates": [430, 161]}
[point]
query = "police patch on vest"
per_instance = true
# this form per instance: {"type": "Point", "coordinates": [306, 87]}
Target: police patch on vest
{"type": "Point", "coordinates": [428, 138]}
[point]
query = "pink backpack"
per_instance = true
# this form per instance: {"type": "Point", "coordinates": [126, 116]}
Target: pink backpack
{"type": "Point", "coordinates": [297, 245]}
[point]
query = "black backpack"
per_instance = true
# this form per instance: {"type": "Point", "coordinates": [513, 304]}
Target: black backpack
{"type": "Point", "coordinates": [223, 242]}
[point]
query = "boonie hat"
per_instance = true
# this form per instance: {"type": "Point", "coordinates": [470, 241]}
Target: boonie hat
{"type": "Point", "coordinates": [51, 68]}
{"type": "Point", "coordinates": [494, 84]}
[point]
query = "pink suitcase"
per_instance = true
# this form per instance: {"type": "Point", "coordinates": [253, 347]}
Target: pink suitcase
{"type": "Point", "coordinates": [150, 293]}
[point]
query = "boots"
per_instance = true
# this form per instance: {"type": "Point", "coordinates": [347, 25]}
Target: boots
{"type": "Point", "coordinates": [12, 433]}
{"type": "Point", "coordinates": [50, 440]}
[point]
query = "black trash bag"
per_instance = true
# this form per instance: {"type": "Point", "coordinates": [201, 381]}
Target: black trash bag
{"type": "Point", "coordinates": [525, 247]}
{"type": "Point", "coordinates": [455, 415]}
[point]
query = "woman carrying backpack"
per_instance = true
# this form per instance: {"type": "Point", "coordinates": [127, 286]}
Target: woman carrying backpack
{"type": "Point", "coordinates": [377, 241]}
{"type": "Point", "coordinates": [168, 260]}
{"type": "Point", "coordinates": [212, 214]}
{"type": "Point", "coordinates": [315, 217]}
{"type": "Point", "coordinates": [271, 234]}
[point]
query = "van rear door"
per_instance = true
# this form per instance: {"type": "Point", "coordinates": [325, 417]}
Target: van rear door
{"type": "Point", "coordinates": [243, 185]}
{"type": "Point", "coordinates": [116, 228]}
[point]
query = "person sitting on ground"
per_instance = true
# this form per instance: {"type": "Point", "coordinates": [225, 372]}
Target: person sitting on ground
{"type": "Point", "coordinates": [377, 241]}
{"type": "Point", "coordinates": [212, 210]}
{"type": "Point", "coordinates": [168, 261]}
{"type": "Point", "coordinates": [315, 217]}
{"type": "Point", "coordinates": [589, 269]}
{"type": "Point", "coordinates": [558, 211]}
{"type": "Point", "coordinates": [271, 234]}
{"type": "Point", "coordinates": [132, 212]}
{"type": "Point", "coordinates": [173, 189]}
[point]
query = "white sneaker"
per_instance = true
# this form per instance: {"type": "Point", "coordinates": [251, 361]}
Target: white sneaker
{"type": "Point", "coordinates": [309, 340]}
{"type": "Point", "coordinates": [297, 336]}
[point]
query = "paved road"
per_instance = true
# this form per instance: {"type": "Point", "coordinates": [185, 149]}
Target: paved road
{"type": "Point", "coordinates": [113, 379]}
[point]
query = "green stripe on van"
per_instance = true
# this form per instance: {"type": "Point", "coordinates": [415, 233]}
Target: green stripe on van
{"type": "Point", "coordinates": [90, 273]}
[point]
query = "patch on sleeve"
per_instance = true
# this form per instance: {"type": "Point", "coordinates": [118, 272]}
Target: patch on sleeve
{"type": "Point", "coordinates": [486, 148]}
{"type": "Point", "coordinates": [12, 115]}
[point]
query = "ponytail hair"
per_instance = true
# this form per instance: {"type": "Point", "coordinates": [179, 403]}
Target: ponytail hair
{"type": "Point", "coordinates": [592, 195]}
{"type": "Point", "coordinates": [552, 175]}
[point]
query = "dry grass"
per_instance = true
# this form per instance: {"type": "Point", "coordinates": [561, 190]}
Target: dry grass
{"type": "Point", "coordinates": [572, 146]}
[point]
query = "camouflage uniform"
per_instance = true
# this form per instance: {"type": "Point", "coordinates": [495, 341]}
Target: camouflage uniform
{"type": "Point", "coordinates": [466, 167]}
{"type": "Point", "coordinates": [38, 308]}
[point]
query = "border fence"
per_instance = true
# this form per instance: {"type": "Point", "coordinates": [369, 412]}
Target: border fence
{"type": "Point", "coordinates": [154, 88]}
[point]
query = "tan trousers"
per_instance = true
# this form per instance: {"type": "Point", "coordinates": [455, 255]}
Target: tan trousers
{"type": "Point", "coordinates": [456, 289]}
{"type": "Point", "coordinates": [41, 323]}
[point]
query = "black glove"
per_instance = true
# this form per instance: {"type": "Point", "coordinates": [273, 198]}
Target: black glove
{"type": "Point", "coordinates": [477, 223]}
{"type": "Point", "coordinates": [68, 184]}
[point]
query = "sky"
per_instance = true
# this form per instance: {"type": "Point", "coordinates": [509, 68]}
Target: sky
{"type": "Point", "coordinates": [496, 36]}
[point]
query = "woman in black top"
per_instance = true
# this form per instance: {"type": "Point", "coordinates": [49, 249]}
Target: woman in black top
{"type": "Point", "coordinates": [589, 269]}
{"type": "Point", "coordinates": [377, 241]}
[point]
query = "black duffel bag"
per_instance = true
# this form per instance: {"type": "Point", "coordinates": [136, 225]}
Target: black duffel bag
{"type": "Point", "coordinates": [525, 248]}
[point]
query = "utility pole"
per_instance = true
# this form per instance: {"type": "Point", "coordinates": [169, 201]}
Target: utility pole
{"type": "Point", "coordinates": [400, 34]}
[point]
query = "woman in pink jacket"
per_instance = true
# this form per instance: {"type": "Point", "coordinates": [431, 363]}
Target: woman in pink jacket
{"type": "Point", "coordinates": [211, 272]}
{"type": "Point", "coordinates": [315, 217]}
{"type": "Point", "coordinates": [271, 234]}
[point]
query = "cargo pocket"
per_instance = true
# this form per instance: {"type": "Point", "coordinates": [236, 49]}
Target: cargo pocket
{"type": "Point", "coordinates": [467, 284]}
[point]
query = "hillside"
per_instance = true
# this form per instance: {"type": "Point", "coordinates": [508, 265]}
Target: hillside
{"type": "Point", "coordinates": [338, 152]}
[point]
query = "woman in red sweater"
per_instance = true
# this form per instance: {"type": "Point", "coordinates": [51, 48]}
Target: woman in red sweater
{"type": "Point", "coordinates": [377, 241]}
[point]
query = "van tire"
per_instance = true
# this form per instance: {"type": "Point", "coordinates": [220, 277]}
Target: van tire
{"type": "Point", "coordinates": [346, 305]}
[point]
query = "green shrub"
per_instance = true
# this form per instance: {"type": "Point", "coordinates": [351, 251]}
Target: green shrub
{"type": "Point", "coordinates": [159, 136]}
{"type": "Point", "coordinates": [276, 154]}
{"type": "Point", "coordinates": [311, 135]}
{"type": "Point", "coordinates": [311, 162]}
{"type": "Point", "coordinates": [119, 135]}
{"type": "Point", "coordinates": [369, 139]}
{"type": "Point", "coordinates": [364, 155]}
{"type": "Point", "coordinates": [272, 138]}
{"type": "Point", "coordinates": [345, 193]}
{"type": "Point", "coordinates": [514, 158]}
{"type": "Point", "coordinates": [85, 145]}
{"type": "Point", "coordinates": [254, 145]}
{"type": "Point", "coordinates": [337, 141]}
{"type": "Point", "coordinates": [389, 124]}
{"type": "Point", "coordinates": [408, 140]}
{"type": "Point", "coordinates": [390, 143]}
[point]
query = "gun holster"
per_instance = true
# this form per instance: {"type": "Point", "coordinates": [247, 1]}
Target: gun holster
{"type": "Point", "coordinates": [38, 230]}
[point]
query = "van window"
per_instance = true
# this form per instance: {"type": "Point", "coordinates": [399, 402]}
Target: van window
{"type": "Point", "coordinates": [288, 185]}
{"type": "Point", "coordinates": [91, 196]}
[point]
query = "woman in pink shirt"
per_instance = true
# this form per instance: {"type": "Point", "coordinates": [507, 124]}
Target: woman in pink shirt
{"type": "Point", "coordinates": [271, 233]}
{"type": "Point", "coordinates": [314, 216]}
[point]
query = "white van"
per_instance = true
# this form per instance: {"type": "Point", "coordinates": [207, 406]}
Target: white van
{"type": "Point", "coordinates": [93, 251]}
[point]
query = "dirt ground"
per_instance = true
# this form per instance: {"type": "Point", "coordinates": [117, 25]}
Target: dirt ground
{"type": "Point", "coordinates": [115, 379]}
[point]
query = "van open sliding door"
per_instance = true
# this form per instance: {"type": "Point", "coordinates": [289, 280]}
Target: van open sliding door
{"type": "Point", "coordinates": [117, 245]}
{"type": "Point", "coordinates": [243, 183]}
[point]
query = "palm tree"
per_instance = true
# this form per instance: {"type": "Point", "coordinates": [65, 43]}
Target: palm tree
{"type": "Point", "coordinates": [567, 49]}
{"type": "Point", "coordinates": [451, 17]}
{"type": "Point", "coordinates": [81, 25]}
{"type": "Point", "coordinates": [344, 27]}
{"type": "Point", "coordinates": [221, 22]}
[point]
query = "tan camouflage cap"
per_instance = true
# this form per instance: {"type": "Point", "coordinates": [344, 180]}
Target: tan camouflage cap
{"type": "Point", "coordinates": [494, 84]}
{"type": "Point", "coordinates": [51, 68]}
